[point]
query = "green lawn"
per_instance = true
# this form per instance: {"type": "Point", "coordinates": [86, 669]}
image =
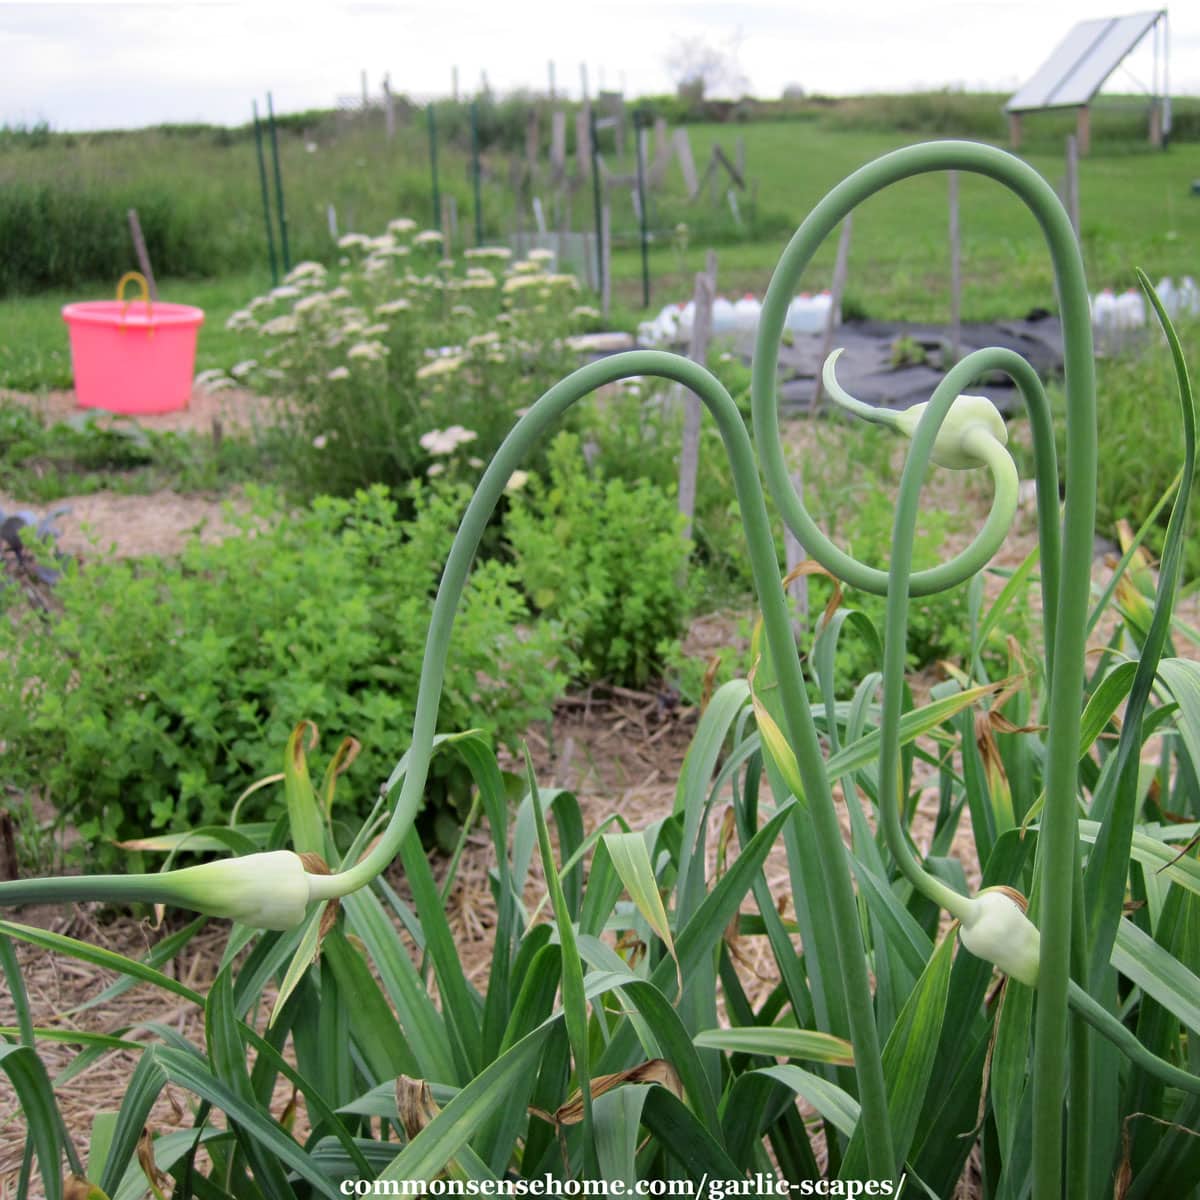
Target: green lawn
{"type": "Point", "coordinates": [1136, 210]}
{"type": "Point", "coordinates": [1136, 205]}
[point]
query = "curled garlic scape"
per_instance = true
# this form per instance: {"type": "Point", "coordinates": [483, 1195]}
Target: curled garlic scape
{"type": "Point", "coordinates": [958, 444]}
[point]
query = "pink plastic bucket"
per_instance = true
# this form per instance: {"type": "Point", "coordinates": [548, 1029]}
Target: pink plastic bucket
{"type": "Point", "coordinates": [133, 356]}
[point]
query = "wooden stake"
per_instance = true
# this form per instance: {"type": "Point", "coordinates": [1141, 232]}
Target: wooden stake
{"type": "Point", "coordinates": [833, 317]}
{"type": "Point", "coordinates": [143, 257]}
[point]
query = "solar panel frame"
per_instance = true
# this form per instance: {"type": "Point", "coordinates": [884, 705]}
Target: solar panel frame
{"type": "Point", "coordinates": [1082, 61]}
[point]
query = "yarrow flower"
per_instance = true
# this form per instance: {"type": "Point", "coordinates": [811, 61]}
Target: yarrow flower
{"type": "Point", "coordinates": [311, 271]}
{"type": "Point", "coordinates": [373, 351]}
{"type": "Point", "coordinates": [350, 240]}
{"type": "Point", "coordinates": [339, 373]}
{"type": "Point", "coordinates": [516, 481]}
{"type": "Point", "coordinates": [242, 369]}
{"type": "Point", "coordinates": [401, 225]}
{"type": "Point", "coordinates": [428, 237]}
{"type": "Point", "coordinates": [242, 319]}
{"type": "Point", "coordinates": [320, 441]}
{"type": "Point", "coordinates": [483, 339]}
{"type": "Point", "coordinates": [392, 306]}
{"type": "Point", "coordinates": [540, 254]}
{"type": "Point", "coordinates": [439, 366]}
{"type": "Point", "coordinates": [278, 326]}
{"type": "Point", "coordinates": [446, 441]}
{"type": "Point", "coordinates": [586, 312]}
{"type": "Point", "coordinates": [285, 292]}
{"type": "Point", "coordinates": [310, 303]}
{"type": "Point", "coordinates": [503, 253]}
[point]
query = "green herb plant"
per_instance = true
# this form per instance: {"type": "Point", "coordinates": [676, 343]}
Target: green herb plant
{"type": "Point", "coordinates": [647, 1059]}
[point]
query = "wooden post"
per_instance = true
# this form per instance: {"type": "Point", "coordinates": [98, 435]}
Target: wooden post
{"type": "Point", "coordinates": [1156, 123]}
{"type": "Point", "coordinates": [689, 457]}
{"type": "Point", "coordinates": [558, 143]}
{"type": "Point", "coordinates": [955, 277]}
{"type": "Point", "coordinates": [687, 164]}
{"type": "Point", "coordinates": [449, 222]}
{"type": "Point", "coordinates": [389, 111]}
{"type": "Point", "coordinates": [1072, 181]}
{"type": "Point", "coordinates": [1083, 129]}
{"type": "Point", "coordinates": [841, 266]}
{"type": "Point", "coordinates": [143, 256]}
{"type": "Point", "coordinates": [531, 140]}
{"type": "Point", "coordinates": [1014, 131]}
{"type": "Point", "coordinates": [583, 140]}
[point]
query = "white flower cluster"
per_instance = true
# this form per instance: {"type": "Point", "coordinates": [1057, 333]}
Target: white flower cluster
{"type": "Point", "coordinates": [439, 366]}
{"type": "Point", "coordinates": [305, 274]}
{"type": "Point", "coordinates": [446, 441]}
{"type": "Point", "coordinates": [310, 303]}
{"type": "Point", "coordinates": [502, 253]}
{"type": "Point", "coordinates": [242, 319]}
{"type": "Point", "coordinates": [371, 351]}
{"type": "Point", "coordinates": [428, 237]}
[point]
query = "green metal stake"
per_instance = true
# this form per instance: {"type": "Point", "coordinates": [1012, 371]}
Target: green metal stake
{"type": "Point", "coordinates": [283, 230]}
{"type": "Point", "coordinates": [475, 171]}
{"type": "Point", "coordinates": [266, 197]}
{"type": "Point", "coordinates": [597, 203]}
{"type": "Point", "coordinates": [437, 199]}
{"type": "Point", "coordinates": [641, 121]}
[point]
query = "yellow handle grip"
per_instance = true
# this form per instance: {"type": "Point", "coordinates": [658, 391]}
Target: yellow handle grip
{"type": "Point", "coordinates": [140, 279]}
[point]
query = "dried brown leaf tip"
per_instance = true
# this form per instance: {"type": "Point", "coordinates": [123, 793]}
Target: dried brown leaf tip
{"type": "Point", "coordinates": [415, 1104]}
{"type": "Point", "coordinates": [314, 864]}
{"type": "Point", "coordinates": [159, 1182]}
{"type": "Point", "coordinates": [655, 1070]}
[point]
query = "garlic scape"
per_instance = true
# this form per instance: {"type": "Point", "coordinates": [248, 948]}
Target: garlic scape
{"type": "Point", "coordinates": [268, 890]}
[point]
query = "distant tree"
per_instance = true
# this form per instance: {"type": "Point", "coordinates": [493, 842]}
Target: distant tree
{"type": "Point", "coordinates": [699, 69]}
{"type": "Point", "coordinates": [793, 91]}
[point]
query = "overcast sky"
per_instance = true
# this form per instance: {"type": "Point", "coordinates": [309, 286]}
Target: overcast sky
{"type": "Point", "coordinates": [94, 64]}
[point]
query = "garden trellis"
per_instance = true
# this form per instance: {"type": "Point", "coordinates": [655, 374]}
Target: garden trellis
{"type": "Point", "coordinates": [896, 1028]}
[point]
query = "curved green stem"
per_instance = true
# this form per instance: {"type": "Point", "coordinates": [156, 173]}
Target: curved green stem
{"type": "Point", "coordinates": [802, 731]}
{"type": "Point", "coordinates": [1056, 848]}
{"type": "Point", "coordinates": [1004, 476]}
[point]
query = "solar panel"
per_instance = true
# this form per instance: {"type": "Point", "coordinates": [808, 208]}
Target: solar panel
{"type": "Point", "coordinates": [1082, 61]}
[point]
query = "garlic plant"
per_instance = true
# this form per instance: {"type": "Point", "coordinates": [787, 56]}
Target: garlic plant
{"type": "Point", "coordinates": [1062, 949]}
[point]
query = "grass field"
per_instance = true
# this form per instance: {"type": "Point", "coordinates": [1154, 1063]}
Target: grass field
{"type": "Point", "coordinates": [1137, 209]}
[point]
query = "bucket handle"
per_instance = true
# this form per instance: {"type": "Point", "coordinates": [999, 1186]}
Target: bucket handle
{"type": "Point", "coordinates": [140, 279]}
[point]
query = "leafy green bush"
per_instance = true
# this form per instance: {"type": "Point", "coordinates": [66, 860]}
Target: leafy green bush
{"type": "Point", "coordinates": [605, 558]}
{"type": "Point", "coordinates": [159, 691]}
